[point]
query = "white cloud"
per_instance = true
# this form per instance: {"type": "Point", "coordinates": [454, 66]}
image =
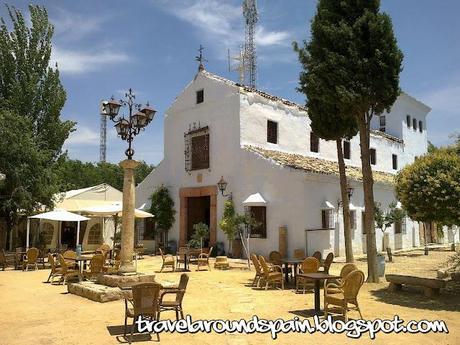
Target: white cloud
{"type": "Point", "coordinates": [77, 62]}
{"type": "Point", "coordinates": [83, 136]}
{"type": "Point", "coordinates": [74, 26]}
{"type": "Point", "coordinates": [270, 38]}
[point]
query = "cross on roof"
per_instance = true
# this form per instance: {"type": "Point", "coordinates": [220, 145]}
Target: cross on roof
{"type": "Point", "coordinates": [201, 58]}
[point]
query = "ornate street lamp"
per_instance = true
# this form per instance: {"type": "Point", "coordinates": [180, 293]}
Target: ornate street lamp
{"type": "Point", "coordinates": [222, 185]}
{"type": "Point", "coordinates": [127, 128]}
{"type": "Point", "coordinates": [350, 191]}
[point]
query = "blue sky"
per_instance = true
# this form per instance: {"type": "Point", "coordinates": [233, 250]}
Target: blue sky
{"type": "Point", "coordinates": [105, 47]}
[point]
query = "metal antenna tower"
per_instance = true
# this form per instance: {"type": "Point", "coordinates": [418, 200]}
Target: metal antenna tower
{"type": "Point", "coordinates": [251, 17]}
{"type": "Point", "coordinates": [103, 139]}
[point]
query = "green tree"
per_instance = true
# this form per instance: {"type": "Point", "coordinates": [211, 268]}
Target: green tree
{"type": "Point", "coordinates": [31, 99]}
{"type": "Point", "coordinates": [228, 223]}
{"type": "Point", "coordinates": [362, 62]}
{"type": "Point", "coordinates": [201, 231]}
{"type": "Point", "coordinates": [429, 188]}
{"type": "Point", "coordinates": [163, 210]}
{"type": "Point", "coordinates": [383, 219]}
{"type": "Point", "coordinates": [328, 121]}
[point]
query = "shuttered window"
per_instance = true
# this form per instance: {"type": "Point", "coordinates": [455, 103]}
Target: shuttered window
{"type": "Point", "coordinates": [199, 96]}
{"type": "Point", "coordinates": [314, 142]}
{"type": "Point", "coordinates": [259, 213]}
{"type": "Point", "coordinates": [272, 132]}
{"type": "Point", "coordinates": [200, 152]}
{"type": "Point", "coordinates": [346, 150]}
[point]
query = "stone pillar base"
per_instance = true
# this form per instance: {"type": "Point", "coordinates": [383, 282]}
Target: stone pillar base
{"type": "Point", "coordinates": [127, 267]}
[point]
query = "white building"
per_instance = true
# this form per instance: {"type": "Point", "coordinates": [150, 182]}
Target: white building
{"type": "Point", "coordinates": [263, 144]}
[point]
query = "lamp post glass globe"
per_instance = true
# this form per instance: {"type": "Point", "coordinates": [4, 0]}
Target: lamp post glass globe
{"type": "Point", "coordinates": [139, 120]}
{"type": "Point", "coordinates": [222, 185]}
{"type": "Point", "coordinates": [149, 113]}
{"type": "Point", "coordinates": [122, 128]}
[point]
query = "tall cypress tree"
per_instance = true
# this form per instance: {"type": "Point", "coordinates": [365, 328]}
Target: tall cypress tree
{"type": "Point", "coordinates": [359, 59]}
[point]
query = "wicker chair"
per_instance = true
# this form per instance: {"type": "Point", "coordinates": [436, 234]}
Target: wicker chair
{"type": "Point", "coordinates": [56, 271]}
{"type": "Point", "coordinates": [3, 260]}
{"type": "Point", "coordinates": [328, 262]}
{"type": "Point", "coordinates": [349, 289]}
{"type": "Point", "coordinates": [144, 303]}
{"type": "Point", "coordinates": [175, 304]}
{"type": "Point", "coordinates": [66, 271]}
{"type": "Point", "coordinates": [346, 269]}
{"type": "Point", "coordinates": [299, 254]}
{"type": "Point", "coordinates": [259, 272]}
{"type": "Point", "coordinates": [203, 260]}
{"type": "Point", "coordinates": [275, 258]}
{"type": "Point", "coordinates": [30, 259]}
{"type": "Point", "coordinates": [269, 276]}
{"type": "Point", "coordinates": [69, 257]}
{"type": "Point", "coordinates": [168, 260]}
{"type": "Point", "coordinates": [113, 268]}
{"type": "Point", "coordinates": [317, 255]}
{"type": "Point", "coordinates": [309, 265]}
{"type": "Point", "coordinates": [95, 266]}
{"type": "Point", "coordinates": [181, 255]}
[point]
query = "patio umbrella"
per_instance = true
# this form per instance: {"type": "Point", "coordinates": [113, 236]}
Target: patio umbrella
{"type": "Point", "coordinates": [57, 215]}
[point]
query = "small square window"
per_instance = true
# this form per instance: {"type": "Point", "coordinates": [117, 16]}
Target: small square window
{"type": "Point", "coordinates": [373, 156]}
{"type": "Point", "coordinates": [199, 96]}
{"type": "Point", "coordinates": [395, 162]}
{"type": "Point", "coordinates": [272, 132]}
{"type": "Point", "coordinates": [408, 121]}
{"type": "Point", "coordinates": [382, 120]}
{"type": "Point", "coordinates": [346, 149]}
{"type": "Point", "coordinates": [314, 142]}
{"type": "Point", "coordinates": [327, 219]}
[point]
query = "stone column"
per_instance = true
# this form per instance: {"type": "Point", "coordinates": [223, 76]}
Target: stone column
{"type": "Point", "coordinates": [127, 232]}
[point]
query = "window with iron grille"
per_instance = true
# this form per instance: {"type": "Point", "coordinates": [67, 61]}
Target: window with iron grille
{"type": "Point", "coordinates": [95, 234]}
{"type": "Point", "coordinates": [314, 142]}
{"type": "Point", "coordinates": [272, 132]}
{"type": "Point", "coordinates": [327, 219]}
{"type": "Point", "coordinates": [196, 148]}
{"type": "Point", "coordinates": [373, 153]}
{"type": "Point", "coordinates": [199, 96]}
{"type": "Point", "coordinates": [395, 162]}
{"type": "Point", "coordinates": [259, 213]}
{"type": "Point", "coordinates": [346, 150]}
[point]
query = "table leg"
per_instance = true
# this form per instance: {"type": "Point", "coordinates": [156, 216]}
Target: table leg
{"type": "Point", "coordinates": [295, 273]}
{"type": "Point", "coordinates": [286, 272]}
{"type": "Point", "coordinates": [317, 301]}
{"type": "Point", "coordinates": [185, 263]}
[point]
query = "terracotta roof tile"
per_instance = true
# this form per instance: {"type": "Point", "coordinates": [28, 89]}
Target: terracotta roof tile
{"type": "Point", "coordinates": [317, 165]}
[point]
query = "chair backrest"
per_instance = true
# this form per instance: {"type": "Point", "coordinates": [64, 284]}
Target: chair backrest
{"type": "Point", "coordinates": [2, 256]}
{"type": "Point", "coordinates": [263, 264]}
{"type": "Point", "coordinates": [310, 265]}
{"type": "Point", "coordinates": [275, 257]}
{"type": "Point", "coordinates": [182, 252]}
{"type": "Point", "coordinates": [69, 254]}
{"type": "Point", "coordinates": [62, 263]}
{"type": "Point", "coordinates": [96, 263]}
{"type": "Point", "coordinates": [19, 249]}
{"type": "Point", "coordinates": [347, 268]}
{"type": "Point", "coordinates": [256, 263]}
{"type": "Point", "coordinates": [32, 255]}
{"type": "Point", "coordinates": [299, 254]}
{"type": "Point", "coordinates": [145, 298]}
{"type": "Point", "coordinates": [328, 262]}
{"type": "Point", "coordinates": [105, 247]}
{"type": "Point", "coordinates": [317, 255]}
{"type": "Point", "coordinates": [352, 283]}
{"type": "Point", "coordinates": [182, 287]}
{"type": "Point", "coordinates": [210, 251]}
{"type": "Point", "coordinates": [52, 262]}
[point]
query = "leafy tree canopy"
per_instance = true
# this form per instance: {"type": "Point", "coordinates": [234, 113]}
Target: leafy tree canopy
{"type": "Point", "coordinates": [429, 188]}
{"type": "Point", "coordinates": [163, 208]}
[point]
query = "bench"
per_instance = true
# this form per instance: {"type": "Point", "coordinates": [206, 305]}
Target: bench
{"type": "Point", "coordinates": [430, 286]}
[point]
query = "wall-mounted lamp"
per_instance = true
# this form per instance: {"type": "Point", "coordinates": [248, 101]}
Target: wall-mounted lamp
{"type": "Point", "coordinates": [222, 185]}
{"type": "Point", "coordinates": [350, 191]}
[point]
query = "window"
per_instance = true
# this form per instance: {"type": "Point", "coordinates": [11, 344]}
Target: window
{"type": "Point", "coordinates": [314, 142]}
{"type": "Point", "coordinates": [272, 132]}
{"type": "Point", "coordinates": [346, 150]}
{"type": "Point", "coordinates": [199, 96]}
{"type": "Point", "coordinates": [398, 227]}
{"type": "Point", "coordinates": [395, 162]}
{"type": "Point", "coordinates": [373, 156]}
{"type": "Point", "coordinates": [352, 219]}
{"type": "Point", "coordinates": [414, 124]}
{"type": "Point", "coordinates": [363, 222]}
{"type": "Point", "coordinates": [200, 152]}
{"type": "Point", "coordinates": [259, 213]}
{"type": "Point", "coordinates": [382, 120]}
{"type": "Point", "coordinates": [149, 229]}
{"type": "Point", "coordinates": [420, 126]}
{"type": "Point", "coordinates": [408, 121]}
{"type": "Point", "coordinates": [47, 233]}
{"type": "Point", "coordinates": [95, 234]}
{"type": "Point", "coordinates": [327, 219]}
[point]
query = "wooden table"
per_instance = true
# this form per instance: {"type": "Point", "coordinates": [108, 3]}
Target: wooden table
{"type": "Point", "coordinates": [295, 263]}
{"type": "Point", "coordinates": [81, 261]}
{"type": "Point", "coordinates": [317, 277]}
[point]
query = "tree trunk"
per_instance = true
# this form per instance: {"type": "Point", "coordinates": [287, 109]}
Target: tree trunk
{"type": "Point", "coordinates": [345, 204]}
{"type": "Point", "coordinates": [368, 187]}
